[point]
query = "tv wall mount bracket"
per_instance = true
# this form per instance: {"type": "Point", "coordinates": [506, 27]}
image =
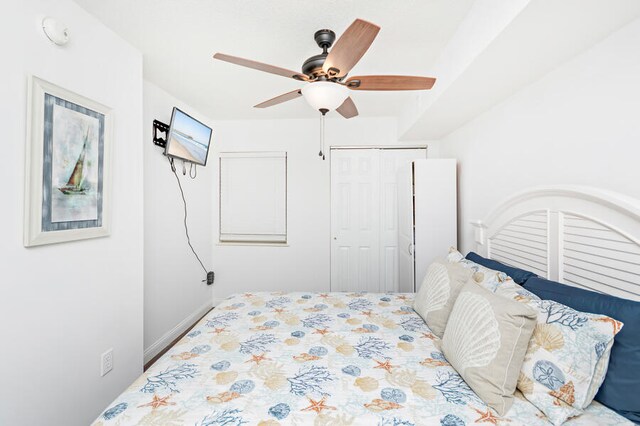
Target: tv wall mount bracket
{"type": "Point", "coordinates": [160, 128]}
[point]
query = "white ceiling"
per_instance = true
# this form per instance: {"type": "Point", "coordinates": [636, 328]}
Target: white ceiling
{"type": "Point", "coordinates": [539, 38]}
{"type": "Point", "coordinates": [179, 37]}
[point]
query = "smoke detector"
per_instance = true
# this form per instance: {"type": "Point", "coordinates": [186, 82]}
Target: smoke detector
{"type": "Point", "coordinates": [55, 31]}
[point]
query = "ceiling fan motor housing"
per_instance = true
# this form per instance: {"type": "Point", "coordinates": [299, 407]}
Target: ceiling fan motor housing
{"type": "Point", "coordinates": [313, 65]}
{"type": "Point", "coordinates": [324, 38]}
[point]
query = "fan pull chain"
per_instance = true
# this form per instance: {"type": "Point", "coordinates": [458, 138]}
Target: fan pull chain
{"type": "Point", "coordinates": [321, 134]}
{"type": "Point", "coordinates": [322, 137]}
{"type": "Point", "coordinates": [324, 112]}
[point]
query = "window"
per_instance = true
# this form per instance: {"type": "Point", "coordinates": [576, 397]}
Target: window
{"type": "Point", "coordinates": [253, 197]}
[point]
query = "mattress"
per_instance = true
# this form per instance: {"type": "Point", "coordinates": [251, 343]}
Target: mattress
{"type": "Point", "coordinates": [314, 359]}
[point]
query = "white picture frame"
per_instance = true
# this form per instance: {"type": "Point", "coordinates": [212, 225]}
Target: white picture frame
{"type": "Point", "coordinates": [67, 166]}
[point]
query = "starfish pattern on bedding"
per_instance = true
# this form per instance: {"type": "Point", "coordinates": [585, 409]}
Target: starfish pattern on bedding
{"type": "Point", "coordinates": [257, 358]}
{"type": "Point", "coordinates": [218, 330]}
{"type": "Point", "coordinates": [384, 365]}
{"type": "Point", "coordinates": [488, 417]}
{"type": "Point", "coordinates": [158, 402]}
{"type": "Point", "coordinates": [322, 331]}
{"type": "Point", "coordinates": [318, 406]}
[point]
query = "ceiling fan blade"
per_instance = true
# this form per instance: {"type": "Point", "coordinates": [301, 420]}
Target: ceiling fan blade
{"type": "Point", "coordinates": [260, 66]}
{"type": "Point", "coordinates": [390, 82]}
{"type": "Point", "coordinates": [348, 109]}
{"type": "Point", "coordinates": [280, 99]}
{"type": "Point", "coordinates": [350, 47]}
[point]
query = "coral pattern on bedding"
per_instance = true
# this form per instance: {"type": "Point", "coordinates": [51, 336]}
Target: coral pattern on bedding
{"type": "Point", "coordinates": [314, 359]}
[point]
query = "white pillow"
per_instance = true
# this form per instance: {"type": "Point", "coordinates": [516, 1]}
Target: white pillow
{"type": "Point", "coordinates": [438, 293]}
{"type": "Point", "coordinates": [485, 341]}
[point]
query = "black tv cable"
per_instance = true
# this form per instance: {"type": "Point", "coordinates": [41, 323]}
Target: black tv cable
{"type": "Point", "coordinates": [210, 274]}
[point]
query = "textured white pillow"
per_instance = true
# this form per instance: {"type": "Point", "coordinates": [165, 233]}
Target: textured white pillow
{"type": "Point", "coordinates": [438, 293]}
{"type": "Point", "coordinates": [485, 341]}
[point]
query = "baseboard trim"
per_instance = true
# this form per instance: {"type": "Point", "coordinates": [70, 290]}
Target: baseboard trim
{"type": "Point", "coordinates": [159, 345]}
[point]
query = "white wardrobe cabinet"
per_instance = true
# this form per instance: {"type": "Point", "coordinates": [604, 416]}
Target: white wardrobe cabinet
{"type": "Point", "coordinates": [427, 217]}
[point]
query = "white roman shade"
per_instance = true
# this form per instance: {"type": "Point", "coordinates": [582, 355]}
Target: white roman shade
{"type": "Point", "coordinates": [253, 197]}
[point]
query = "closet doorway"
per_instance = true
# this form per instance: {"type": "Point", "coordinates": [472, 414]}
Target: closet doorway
{"type": "Point", "coordinates": [364, 217]}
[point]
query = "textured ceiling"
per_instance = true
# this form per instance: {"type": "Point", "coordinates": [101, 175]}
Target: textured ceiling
{"type": "Point", "coordinates": [179, 37]}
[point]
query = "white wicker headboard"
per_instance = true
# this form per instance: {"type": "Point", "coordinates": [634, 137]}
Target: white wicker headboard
{"type": "Point", "coordinates": [579, 236]}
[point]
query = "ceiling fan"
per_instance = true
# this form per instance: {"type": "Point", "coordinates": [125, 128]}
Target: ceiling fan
{"type": "Point", "coordinates": [327, 85]}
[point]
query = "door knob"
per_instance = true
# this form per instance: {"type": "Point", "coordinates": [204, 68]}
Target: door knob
{"type": "Point", "coordinates": [335, 238]}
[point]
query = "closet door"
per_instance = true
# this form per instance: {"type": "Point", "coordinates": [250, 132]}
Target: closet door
{"type": "Point", "coordinates": [364, 217]}
{"type": "Point", "coordinates": [355, 201]}
{"type": "Point", "coordinates": [427, 211]}
{"type": "Point", "coordinates": [392, 160]}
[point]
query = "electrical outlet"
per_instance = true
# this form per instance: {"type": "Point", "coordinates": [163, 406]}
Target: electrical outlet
{"type": "Point", "coordinates": [107, 362]}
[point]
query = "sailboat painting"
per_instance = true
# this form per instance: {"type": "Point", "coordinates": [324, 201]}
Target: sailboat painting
{"type": "Point", "coordinates": [68, 168]}
{"type": "Point", "coordinates": [74, 166]}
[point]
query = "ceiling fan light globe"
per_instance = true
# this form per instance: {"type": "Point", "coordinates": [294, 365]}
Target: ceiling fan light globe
{"type": "Point", "coordinates": [325, 94]}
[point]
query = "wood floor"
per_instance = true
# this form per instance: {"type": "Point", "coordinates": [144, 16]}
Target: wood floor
{"type": "Point", "coordinates": [176, 340]}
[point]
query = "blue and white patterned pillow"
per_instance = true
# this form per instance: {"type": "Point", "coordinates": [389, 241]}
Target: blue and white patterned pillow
{"type": "Point", "coordinates": [567, 359]}
{"type": "Point", "coordinates": [488, 278]}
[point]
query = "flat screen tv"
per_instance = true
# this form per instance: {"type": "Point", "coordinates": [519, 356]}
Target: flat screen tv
{"type": "Point", "coordinates": [188, 139]}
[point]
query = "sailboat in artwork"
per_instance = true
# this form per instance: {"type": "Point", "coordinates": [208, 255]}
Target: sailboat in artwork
{"type": "Point", "coordinates": [75, 184]}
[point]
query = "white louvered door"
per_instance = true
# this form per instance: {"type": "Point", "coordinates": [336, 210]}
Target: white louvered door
{"type": "Point", "coordinates": [364, 220]}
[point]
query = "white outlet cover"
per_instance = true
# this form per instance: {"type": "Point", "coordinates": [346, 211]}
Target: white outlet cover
{"type": "Point", "coordinates": [106, 363]}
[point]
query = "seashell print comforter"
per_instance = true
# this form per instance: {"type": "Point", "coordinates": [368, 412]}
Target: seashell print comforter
{"type": "Point", "coordinates": [314, 359]}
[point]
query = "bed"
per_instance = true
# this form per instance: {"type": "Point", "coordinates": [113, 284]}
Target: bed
{"type": "Point", "coordinates": [368, 358]}
{"type": "Point", "coordinates": [313, 359]}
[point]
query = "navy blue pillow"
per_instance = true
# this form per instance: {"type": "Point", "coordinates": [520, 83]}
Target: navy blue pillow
{"type": "Point", "coordinates": [621, 388]}
{"type": "Point", "coordinates": [518, 275]}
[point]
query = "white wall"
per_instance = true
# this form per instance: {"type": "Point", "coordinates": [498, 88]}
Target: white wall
{"type": "Point", "coordinates": [576, 125]}
{"type": "Point", "coordinates": [174, 294]}
{"type": "Point", "coordinates": [304, 264]}
{"type": "Point", "coordinates": [63, 305]}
